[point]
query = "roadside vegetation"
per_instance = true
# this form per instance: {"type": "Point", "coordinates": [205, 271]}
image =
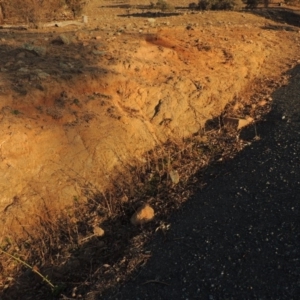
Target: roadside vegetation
{"type": "Point", "coordinates": [34, 11]}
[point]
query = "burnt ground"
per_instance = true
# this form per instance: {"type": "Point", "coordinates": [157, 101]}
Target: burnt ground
{"type": "Point", "coordinates": [239, 238]}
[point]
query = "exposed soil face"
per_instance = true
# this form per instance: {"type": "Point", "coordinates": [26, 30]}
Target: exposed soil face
{"type": "Point", "coordinates": [80, 103]}
{"type": "Point", "coordinates": [239, 237]}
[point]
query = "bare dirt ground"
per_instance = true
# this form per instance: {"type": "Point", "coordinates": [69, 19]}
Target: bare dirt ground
{"type": "Point", "coordinates": [81, 104]}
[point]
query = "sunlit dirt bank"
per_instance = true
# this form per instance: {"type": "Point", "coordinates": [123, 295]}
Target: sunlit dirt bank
{"type": "Point", "coordinates": [77, 105]}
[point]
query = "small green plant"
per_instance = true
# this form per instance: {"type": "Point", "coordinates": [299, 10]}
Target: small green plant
{"type": "Point", "coordinates": [33, 269]}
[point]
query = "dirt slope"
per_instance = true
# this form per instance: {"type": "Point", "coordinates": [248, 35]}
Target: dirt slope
{"type": "Point", "coordinates": [80, 103]}
{"type": "Point", "coordinates": [239, 237]}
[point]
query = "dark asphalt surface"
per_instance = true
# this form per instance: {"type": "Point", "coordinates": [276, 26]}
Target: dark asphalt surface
{"type": "Point", "coordinates": [240, 237]}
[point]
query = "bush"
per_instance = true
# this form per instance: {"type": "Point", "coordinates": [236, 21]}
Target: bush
{"type": "Point", "coordinates": [220, 4]}
{"type": "Point", "coordinates": [162, 5]}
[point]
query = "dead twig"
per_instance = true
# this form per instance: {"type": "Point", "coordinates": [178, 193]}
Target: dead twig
{"type": "Point", "coordinates": [155, 281]}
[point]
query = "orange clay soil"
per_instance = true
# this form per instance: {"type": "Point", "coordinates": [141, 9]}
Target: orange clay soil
{"type": "Point", "coordinates": [77, 103]}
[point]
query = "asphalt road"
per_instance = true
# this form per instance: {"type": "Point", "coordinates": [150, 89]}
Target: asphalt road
{"type": "Point", "coordinates": [240, 237]}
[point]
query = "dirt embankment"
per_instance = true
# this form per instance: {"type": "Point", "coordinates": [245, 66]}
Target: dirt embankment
{"type": "Point", "coordinates": [79, 104]}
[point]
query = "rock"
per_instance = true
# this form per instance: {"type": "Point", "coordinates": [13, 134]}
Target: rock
{"type": "Point", "coordinates": [262, 102]}
{"type": "Point", "coordinates": [174, 176]}
{"type": "Point", "coordinates": [237, 123]}
{"type": "Point", "coordinates": [85, 19]}
{"type": "Point", "coordinates": [143, 215]}
{"type": "Point", "coordinates": [98, 231]}
{"type": "Point", "coordinates": [151, 20]}
{"type": "Point", "coordinates": [61, 40]}
{"type": "Point", "coordinates": [39, 50]}
{"type": "Point", "coordinates": [64, 39]}
{"type": "Point", "coordinates": [244, 122]}
{"type": "Point", "coordinates": [124, 199]}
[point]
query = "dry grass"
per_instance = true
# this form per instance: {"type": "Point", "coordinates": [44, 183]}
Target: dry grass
{"type": "Point", "coordinates": [31, 11]}
{"type": "Point", "coordinates": [62, 245]}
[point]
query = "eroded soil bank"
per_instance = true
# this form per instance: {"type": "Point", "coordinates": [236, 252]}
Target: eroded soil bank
{"type": "Point", "coordinates": [79, 104]}
{"type": "Point", "coordinates": [92, 103]}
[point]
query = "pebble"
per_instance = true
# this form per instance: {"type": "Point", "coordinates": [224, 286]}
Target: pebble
{"type": "Point", "coordinates": [143, 215]}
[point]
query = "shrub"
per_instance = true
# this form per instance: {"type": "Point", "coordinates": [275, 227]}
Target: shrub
{"type": "Point", "coordinates": [163, 5]}
{"type": "Point", "coordinates": [220, 4]}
